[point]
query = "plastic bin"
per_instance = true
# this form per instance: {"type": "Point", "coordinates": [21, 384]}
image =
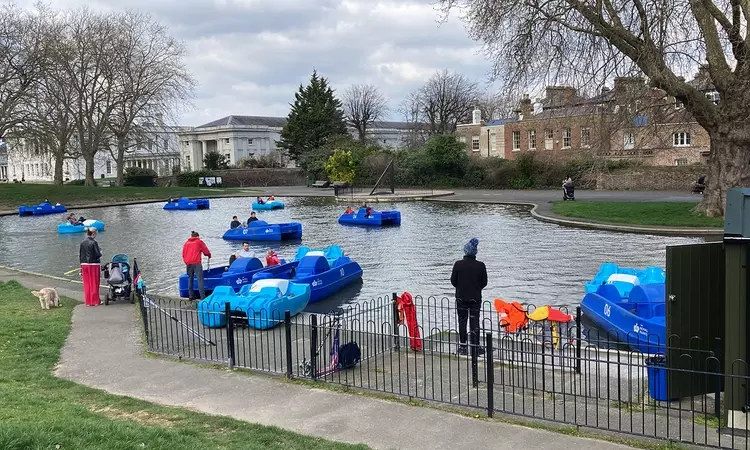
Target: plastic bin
{"type": "Point", "coordinates": [656, 370]}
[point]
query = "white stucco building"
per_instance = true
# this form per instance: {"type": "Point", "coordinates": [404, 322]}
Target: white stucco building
{"type": "Point", "coordinates": [241, 137]}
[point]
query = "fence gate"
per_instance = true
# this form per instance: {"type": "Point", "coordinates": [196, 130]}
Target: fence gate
{"type": "Point", "coordinates": [695, 317]}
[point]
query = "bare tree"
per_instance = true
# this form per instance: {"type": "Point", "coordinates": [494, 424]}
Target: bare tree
{"type": "Point", "coordinates": [587, 42]}
{"type": "Point", "coordinates": [152, 82]}
{"type": "Point", "coordinates": [363, 105]}
{"type": "Point", "coordinates": [495, 105]}
{"type": "Point", "coordinates": [90, 64]}
{"type": "Point", "coordinates": [445, 100]}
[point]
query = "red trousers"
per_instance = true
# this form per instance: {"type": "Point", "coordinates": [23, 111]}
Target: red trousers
{"type": "Point", "coordinates": [90, 274]}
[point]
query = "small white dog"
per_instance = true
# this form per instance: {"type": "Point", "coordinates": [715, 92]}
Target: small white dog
{"type": "Point", "coordinates": [47, 297]}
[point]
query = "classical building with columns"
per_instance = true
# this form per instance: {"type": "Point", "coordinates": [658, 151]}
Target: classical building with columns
{"type": "Point", "coordinates": [158, 149]}
{"type": "Point", "coordinates": [242, 137]}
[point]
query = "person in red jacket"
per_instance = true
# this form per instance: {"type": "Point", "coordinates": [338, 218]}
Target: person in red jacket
{"type": "Point", "coordinates": [192, 252]}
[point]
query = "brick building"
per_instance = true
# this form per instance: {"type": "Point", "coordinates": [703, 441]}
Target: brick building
{"type": "Point", "coordinates": [630, 121]}
{"type": "Point", "coordinates": [483, 139]}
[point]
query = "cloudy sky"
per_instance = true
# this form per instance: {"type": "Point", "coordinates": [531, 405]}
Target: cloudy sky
{"type": "Point", "coordinates": [249, 56]}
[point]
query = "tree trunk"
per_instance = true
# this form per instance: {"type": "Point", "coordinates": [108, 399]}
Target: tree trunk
{"type": "Point", "coordinates": [89, 159]}
{"type": "Point", "coordinates": [362, 134]}
{"type": "Point", "coordinates": [120, 162]}
{"type": "Point", "coordinates": [59, 161]}
{"type": "Point", "coordinates": [728, 166]}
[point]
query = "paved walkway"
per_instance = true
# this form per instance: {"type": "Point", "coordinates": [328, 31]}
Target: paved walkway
{"type": "Point", "coordinates": [104, 351]}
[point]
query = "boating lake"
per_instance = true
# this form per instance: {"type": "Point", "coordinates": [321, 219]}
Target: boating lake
{"type": "Point", "coordinates": [527, 260]}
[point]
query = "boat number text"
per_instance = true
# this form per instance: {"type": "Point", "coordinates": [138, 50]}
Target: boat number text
{"type": "Point", "coordinates": [342, 272]}
{"type": "Point", "coordinates": [607, 310]}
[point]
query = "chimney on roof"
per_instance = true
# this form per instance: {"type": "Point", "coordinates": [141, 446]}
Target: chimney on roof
{"type": "Point", "coordinates": [628, 88]}
{"type": "Point", "coordinates": [559, 96]}
{"type": "Point", "coordinates": [525, 110]}
{"type": "Point", "coordinates": [476, 116]}
{"type": "Point", "coordinates": [605, 89]}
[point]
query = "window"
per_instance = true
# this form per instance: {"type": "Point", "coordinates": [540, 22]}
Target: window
{"type": "Point", "coordinates": [532, 139]}
{"type": "Point", "coordinates": [150, 145]}
{"type": "Point", "coordinates": [462, 139]}
{"type": "Point", "coordinates": [549, 139]}
{"type": "Point", "coordinates": [187, 162]}
{"type": "Point", "coordinates": [226, 155]}
{"type": "Point", "coordinates": [628, 141]}
{"type": "Point", "coordinates": [475, 143]}
{"type": "Point", "coordinates": [567, 138]}
{"type": "Point", "coordinates": [493, 143]}
{"type": "Point", "coordinates": [109, 167]}
{"type": "Point", "coordinates": [226, 141]}
{"type": "Point", "coordinates": [249, 141]}
{"type": "Point", "coordinates": [678, 104]}
{"type": "Point", "coordinates": [680, 162]}
{"type": "Point", "coordinates": [681, 139]}
{"type": "Point", "coordinates": [516, 141]}
{"type": "Point", "coordinates": [713, 96]}
{"type": "Point", "coordinates": [165, 144]}
{"type": "Point", "coordinates": [585, 137]}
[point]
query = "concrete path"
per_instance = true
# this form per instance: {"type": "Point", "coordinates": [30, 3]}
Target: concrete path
{"type": "Point", "coordinates": [104, 351]}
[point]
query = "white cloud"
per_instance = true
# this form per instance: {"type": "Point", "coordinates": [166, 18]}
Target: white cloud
{"type": "Point", "coordinates": [249, 56]}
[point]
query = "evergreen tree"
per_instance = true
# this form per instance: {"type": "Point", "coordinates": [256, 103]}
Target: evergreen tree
{"type": "Point", "coordinates": [315, 119]}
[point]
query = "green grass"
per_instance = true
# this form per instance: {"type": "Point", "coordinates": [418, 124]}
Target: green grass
{"type": "Point", "coordinates": [13, 195]}
{"type": "Point", "coordinates": [676, 214]}
{"type": "Point", "coordinates": [40, 411]}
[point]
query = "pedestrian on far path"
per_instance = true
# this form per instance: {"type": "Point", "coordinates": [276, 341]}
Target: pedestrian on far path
{"type": "Point", "coordinates": [90, 257]}
{"type": "Point", "coordinates": [469, 277]}
{"type": "Point", "coordinates": [192, 254]}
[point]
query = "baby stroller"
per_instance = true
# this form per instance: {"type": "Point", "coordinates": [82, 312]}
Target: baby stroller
{"type": "Point", "coordinates": [117, 275]}
{"type": "Point", "coordinates": [569, 191]}
{"type": "Point", "coordinates": [699, 186]}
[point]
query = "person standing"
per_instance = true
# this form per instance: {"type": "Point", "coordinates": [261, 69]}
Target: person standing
{"type": "Point", "coordinates": [192, 253]}
{"type": "Point", "coordinates": [90, 257]}
{"type": "Point", "coordinates": [469, 277]}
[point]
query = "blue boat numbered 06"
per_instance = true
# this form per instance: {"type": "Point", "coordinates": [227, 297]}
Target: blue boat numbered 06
{"type": "Point", "coordinates": [268, 205]}
{"type": "Point", "coordinates": [67, 228]}
{"type": "Point", "coordinates": [41, 209]}
{"type": "Point", "coordinates": [374, 218]}
{"type": "Point", "coordinates": [263, 303]}
{"type": "Point", "coordinates": [629, 308]}
{"type": "Point", "coordinates": [186, 204]}
{"type": "Point", "coordinates": [236, 275]}
{"type": "Point", "coordinates": [260, 230]}
{"type": "Point", "coordinates": [324, 277]}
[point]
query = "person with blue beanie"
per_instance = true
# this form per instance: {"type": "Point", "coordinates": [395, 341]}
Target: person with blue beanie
{"type": "Point", "coordinates": [469, 277]}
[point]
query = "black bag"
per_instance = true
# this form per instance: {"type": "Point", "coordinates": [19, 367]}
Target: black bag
{"type": "Point", "coordinates": [349, 355]}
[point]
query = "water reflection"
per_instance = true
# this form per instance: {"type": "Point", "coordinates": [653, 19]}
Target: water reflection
{"type": "Point", "coordinates": [527, 260]}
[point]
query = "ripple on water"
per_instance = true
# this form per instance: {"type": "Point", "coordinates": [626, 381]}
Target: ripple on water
{"type": "Point", "coordinates": [527, 260]}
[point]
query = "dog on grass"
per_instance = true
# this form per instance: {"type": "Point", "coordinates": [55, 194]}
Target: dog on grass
{"type": "Point", "coordinates": [47, 297]}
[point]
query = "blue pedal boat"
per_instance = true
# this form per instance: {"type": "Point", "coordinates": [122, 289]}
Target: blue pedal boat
{"type": "Point", "coordinates": [186, 204]}
{"type": "Point", "coordinates": [325, 278]}
{"type": "Point", "coordinates": [332, 253]}
{"type": "Point", "coordinates": [260, 230]}
{"type": "Point", "coordinates": [629, 307]}
{"type": "Point", "coordinates": [41, 209]}
{"type": "Point", "coordinates": [375, 219]}
{"type": "Point", "coordinates": [67, 228]}
{"type": "Point", "coordinates": [264, 303]}
{"type": "Point", "coordinates": [269, 205]}
{"type": "Point", "coordinates": [235, 276]}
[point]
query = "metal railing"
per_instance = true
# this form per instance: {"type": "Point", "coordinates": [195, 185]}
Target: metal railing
{"type": "Point", "coordinates": [563, 374]}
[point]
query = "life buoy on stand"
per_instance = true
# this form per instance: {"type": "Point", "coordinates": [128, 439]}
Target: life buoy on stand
{"type": "Point", "coordinates": [407, 312]}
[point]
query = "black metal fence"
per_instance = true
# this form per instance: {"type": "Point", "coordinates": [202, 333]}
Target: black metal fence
{"type": "Point", "coordinates": [551, 371]}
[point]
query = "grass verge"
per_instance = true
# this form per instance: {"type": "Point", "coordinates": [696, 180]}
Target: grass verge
{"type": "Point", "coordinates": [13, 195]}
{"type": "Point", "coordinates": [40, 411]}
{"type": "Point", "coordinates": [675, 214]}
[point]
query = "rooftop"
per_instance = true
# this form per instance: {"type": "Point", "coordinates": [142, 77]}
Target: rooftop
{"type": "Point", "coordinates": [279, 122]}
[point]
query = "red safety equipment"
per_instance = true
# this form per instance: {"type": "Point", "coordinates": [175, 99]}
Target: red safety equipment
{"type": "Point", "coordinates": [408, 311]}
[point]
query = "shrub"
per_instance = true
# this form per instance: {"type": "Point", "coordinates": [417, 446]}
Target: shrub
{"type": "Point", "coordinates": [263, 162]}
{"type": "Point", "coordinates": [80, 183]}
{"type": "Point", "coordinates": [137, 176]}
{"type": "Point", "coordinates": [190, 179]}
{"type": "Point", "coordinates": [340, 166]}
{"type": "Point", "coordinates": [215, 160]}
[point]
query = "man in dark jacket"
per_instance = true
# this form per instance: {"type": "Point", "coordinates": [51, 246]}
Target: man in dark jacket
{"type": "Point", "coordinates": [469, 277]}
{"type": "Point", "coordinates": [235, 223]}
{"type": "Point", "coordinates": [90, 257]}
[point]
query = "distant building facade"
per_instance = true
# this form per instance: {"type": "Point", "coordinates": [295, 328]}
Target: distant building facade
{"type": "Point", "coordinates": [630, 121]}
{"type": "Point", "coordinates": [243, 137]}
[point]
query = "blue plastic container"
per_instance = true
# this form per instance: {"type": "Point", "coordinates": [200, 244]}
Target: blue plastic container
{"type": "Point", "coordinates": [656, 370]}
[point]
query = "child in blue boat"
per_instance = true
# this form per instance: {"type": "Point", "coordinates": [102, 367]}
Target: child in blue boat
{"type": "Point", "coordinates": [73, 221]}
{"type": "Point", "coordinates": [260, 201]}
{"type": "Point", "coordinates": [349, 210]}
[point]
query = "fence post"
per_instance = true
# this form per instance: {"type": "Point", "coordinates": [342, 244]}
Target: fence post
{"type": "Point", "coordinates": [144, 317]}
{"type": "Point", "coordinates": [490, 363]}
{"type": "Point", "coordinates": [288, 342]}
{"type": "Point", "coordinates": [313, 347]}
{"type": "Point", "coordinates": [474, 349]}
{"type": "Point", "coordinates": [230, 334]}
{"type": "Point", "coordinates": [578, 339]}
{"type": "Point", "coordinates": [396, 338]}
{"type": "Point", "coordinates": [717, 393]}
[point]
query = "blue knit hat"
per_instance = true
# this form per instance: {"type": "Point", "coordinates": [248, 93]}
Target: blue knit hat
{"type": "Point", "coordinates": [470, 249]}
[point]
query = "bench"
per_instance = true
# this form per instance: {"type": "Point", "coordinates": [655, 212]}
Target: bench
{"type": "Point", "coordinates": [321, 184]}
{"type": "Point", "coordinates": [340, 184]}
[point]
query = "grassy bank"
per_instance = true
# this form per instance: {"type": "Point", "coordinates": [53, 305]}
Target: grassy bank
{"type": "Point", "coordinates": [13, 195]}
{"type": "Point", "coordinates": [39, 411]}
{"type": "Point", "coordinates": [677, 214]}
